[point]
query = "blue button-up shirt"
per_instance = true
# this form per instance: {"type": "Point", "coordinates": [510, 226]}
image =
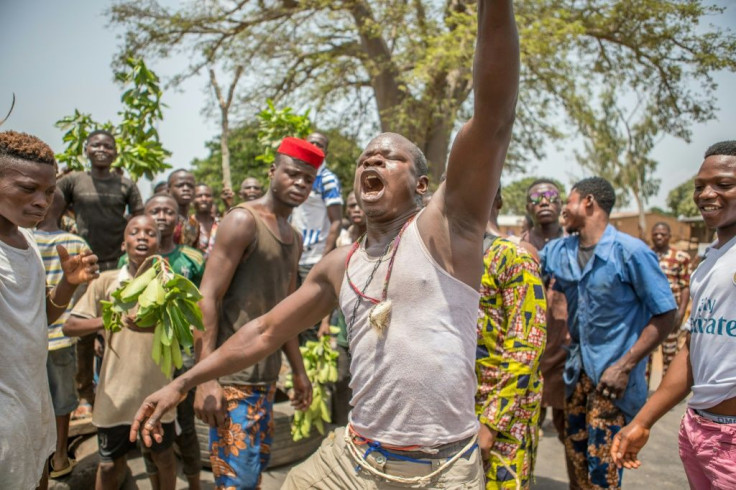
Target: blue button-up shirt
{"type": "Point", "coordinates": [609, 303]}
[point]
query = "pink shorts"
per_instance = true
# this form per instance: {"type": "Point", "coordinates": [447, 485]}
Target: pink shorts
{"type": "Point", "coordinates": [708, 452]}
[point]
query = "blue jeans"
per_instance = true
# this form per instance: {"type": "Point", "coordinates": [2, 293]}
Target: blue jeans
{"type": "Point", "coordinates": [241, 449]}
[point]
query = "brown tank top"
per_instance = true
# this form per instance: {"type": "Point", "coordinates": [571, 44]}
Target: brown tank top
{"type": "Point", "coordinates": [261, 281]}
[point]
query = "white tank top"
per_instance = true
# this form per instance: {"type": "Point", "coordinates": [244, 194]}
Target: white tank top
{"type": "Point", "coordinates": [416, 384]}
{"type": "Point", "coordinates": [712, 327]}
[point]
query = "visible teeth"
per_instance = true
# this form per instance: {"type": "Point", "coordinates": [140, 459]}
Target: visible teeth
{"type": "Point", "coordinates": [709, 208]}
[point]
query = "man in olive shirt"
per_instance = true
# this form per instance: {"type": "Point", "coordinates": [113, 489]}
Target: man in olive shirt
{"type": "Point", "coordinates": [100, 198]}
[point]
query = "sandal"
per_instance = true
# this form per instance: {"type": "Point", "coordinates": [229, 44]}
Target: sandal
{"type": "Point", "coordinates": [83, 411]}
{"type": "Point", "coordinates": [53, 473]}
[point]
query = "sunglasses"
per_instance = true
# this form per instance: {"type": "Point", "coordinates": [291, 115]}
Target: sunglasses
{"type": "Point", "coordinates": [553, 197]}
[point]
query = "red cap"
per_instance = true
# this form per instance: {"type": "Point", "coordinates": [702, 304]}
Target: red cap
{"type": "Point", "coordinates": [301, 150]}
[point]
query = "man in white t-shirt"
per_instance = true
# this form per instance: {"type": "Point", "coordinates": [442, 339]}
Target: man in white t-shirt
{"type": "Point", "coordinates": [706, 365]}
{"type": "Point", "coordinates": [27, 429]}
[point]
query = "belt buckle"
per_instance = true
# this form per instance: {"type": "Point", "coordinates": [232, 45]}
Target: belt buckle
{"type": "Point", "coordinates": [378, 461]}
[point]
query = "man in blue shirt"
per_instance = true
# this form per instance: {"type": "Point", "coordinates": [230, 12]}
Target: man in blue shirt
{"type": "Point", "coordinates": [620, 308]}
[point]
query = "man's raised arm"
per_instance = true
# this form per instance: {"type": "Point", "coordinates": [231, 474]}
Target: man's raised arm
{"type": "Point", "coordinates": [479, 150]}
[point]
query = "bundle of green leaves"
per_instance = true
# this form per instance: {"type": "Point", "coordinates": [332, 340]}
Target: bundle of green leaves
{"type": "Point", "coordinates": [161, 299]}
{"type": "Point", "coordinates": [320, 362]}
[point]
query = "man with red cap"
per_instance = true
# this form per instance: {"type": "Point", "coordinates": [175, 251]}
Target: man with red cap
{"type": "Point", "coordinates": [253, 266]}
{"type": "Point", "coordinates": [409, 290]}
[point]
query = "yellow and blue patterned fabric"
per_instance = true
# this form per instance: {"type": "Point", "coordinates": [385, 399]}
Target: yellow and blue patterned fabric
{"type": "Point", "coordinates": [512, 334]}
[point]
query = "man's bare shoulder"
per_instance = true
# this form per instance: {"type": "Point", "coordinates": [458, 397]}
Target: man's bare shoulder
{"type": "Point", "coordinates": [239, 222]}
{"type": "Point", "coordinates": [332, 267]}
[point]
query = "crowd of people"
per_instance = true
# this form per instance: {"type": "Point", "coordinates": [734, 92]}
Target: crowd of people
{"type": "Point", "coordinates": [454, 338]}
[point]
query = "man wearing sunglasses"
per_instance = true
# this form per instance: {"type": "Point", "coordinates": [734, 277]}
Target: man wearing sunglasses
{"type": "Point", "coordinates": [544, 205]}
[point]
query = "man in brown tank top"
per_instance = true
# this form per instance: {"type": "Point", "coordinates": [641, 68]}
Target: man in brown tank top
{"type": "Point", "coordinates": [390, 180]}
{"type": "Point", "coordinates": [252, 267]}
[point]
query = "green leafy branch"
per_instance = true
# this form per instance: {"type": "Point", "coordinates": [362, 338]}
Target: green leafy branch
{"type": "Point", "coordinates": [139, 147]}
{"type": "Point", "coordinates": [274, 125]}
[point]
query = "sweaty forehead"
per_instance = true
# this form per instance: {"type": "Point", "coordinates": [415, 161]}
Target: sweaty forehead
{"type": "Point", "coordinates": [718, 165]}
{"type": "Point", "coordinates": [291, 163]}
{"type": "Point", "coordinates": [389, 141]}
{"type": "Point", "coordinates": [141, 220]}
{"type": "Point", "coordinates": [317, 138]}
{"type": "Point", "coordinates": [163, 200]}
{"type": "Point", "coordinates": [99, 137]}
{"type": "Point", "coordinates": [179, 176]}
{"type": "Point", "coordinates": [17, 168]}
{"type": "Point", "coordinates": [543, 187]}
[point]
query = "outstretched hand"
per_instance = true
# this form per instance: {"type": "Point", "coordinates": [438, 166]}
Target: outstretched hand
{"type": "Point", "coordinates": [80, 268]}
{"type": "Point", "coordinates": [626, 445]}
{"type": "Point", "coordinates": [153, 408]}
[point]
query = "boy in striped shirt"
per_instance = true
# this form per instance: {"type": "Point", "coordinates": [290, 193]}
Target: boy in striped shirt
{"type": "Point", "coordinates": [61, 363]}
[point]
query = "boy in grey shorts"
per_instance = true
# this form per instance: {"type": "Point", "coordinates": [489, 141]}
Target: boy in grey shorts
{"type": "Point", "coordinates": [61, 364]}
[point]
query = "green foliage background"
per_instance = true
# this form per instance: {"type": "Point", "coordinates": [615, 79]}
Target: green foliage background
{"type": "Point", "coordinates": [680, 199]}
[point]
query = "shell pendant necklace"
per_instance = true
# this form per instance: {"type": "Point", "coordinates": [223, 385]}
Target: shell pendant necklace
{"type": "Point", "coordinates": [379, 315]}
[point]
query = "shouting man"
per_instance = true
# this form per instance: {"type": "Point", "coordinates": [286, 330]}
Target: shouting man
{"type": "Point", "coordinates": [409, 292]}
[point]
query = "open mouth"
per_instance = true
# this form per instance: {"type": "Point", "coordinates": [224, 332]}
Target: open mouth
{"type": "Point", "coordinates": [142, 248]}
{"type": "Point", "coordinates": [372, 186]}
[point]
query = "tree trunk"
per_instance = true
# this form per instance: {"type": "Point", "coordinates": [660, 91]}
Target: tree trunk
{"type": "Point", "coordinates": [642, 217]}
{"type": "Point", "coordinates": [227, 180]}
{"type": "Point", "coordinates": [436, 147]}
{"type": "Point", "coordinates": [225, 104]}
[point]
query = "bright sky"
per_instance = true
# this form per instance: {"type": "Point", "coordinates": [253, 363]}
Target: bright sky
{"type": "Point", "coordinates": [56, 57]}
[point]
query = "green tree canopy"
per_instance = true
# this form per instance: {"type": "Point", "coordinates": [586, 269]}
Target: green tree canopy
{"type": "Point", "coordinates": [680, 199]}
{"type": "Point", "coordinates": [405, 66]}
{"type": "Point", "coordinates": [618, 147]}
{"type": "Point", "coordinates": [244, 148]}
{"type": "Point", "coordinates": [140, 151]}
{"type": "Point", "coordinates": [514, 194]}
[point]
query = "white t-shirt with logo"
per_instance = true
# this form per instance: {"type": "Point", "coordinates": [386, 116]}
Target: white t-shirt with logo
{"type": "Point", "coordinates": [712, 327]}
